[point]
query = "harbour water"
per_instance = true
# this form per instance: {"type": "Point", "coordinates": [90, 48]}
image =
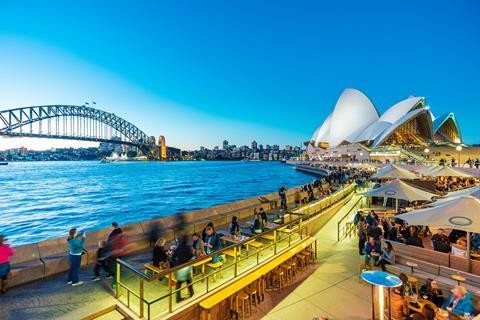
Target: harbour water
{"type": "Point", "coordinates": [42, 200]}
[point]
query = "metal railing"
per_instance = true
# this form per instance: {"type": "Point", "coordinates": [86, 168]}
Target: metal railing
{"type": "Point", "coordinates": [141, 292]}
{"type": "Point", "coordinates": [346, 230]}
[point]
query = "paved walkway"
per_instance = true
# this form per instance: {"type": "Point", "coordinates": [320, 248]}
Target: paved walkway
{"type": "Point", "coordinates": [333, 289]}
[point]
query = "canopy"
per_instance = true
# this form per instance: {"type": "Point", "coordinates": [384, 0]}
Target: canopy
{"type": "Point", "coordinates": [443, 171]}
{"type": "Point", "coordinates": [424, 170]}
{"type": "Point", "coordinates": [462, 213]}
{"type": "Point", "coordinates": [474, 191]}
{"type": "Point", "coordinates": [400, 190]}
{"type": "Point", "coordinates": [392, 171]}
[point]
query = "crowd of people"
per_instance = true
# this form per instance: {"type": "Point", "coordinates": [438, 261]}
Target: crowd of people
{"type": "Point", "coordinates": [458, 303]}
{"type": "Point", "coordinates": [371, 230]}
{"type": "Point", "coordinates": [447, 184]}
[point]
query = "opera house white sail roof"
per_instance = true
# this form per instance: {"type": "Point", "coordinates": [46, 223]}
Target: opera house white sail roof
{"type": "Point", "coordinates": [355, 119]}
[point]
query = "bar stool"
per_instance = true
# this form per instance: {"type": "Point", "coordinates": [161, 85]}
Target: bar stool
{"type": "Point", "coordinates": [302, 261]}
{"type": "Point", "coordinates": [243, 301]}
{"type": "Point", "coordinates": [311, 254]}
{"type": "Point", "coordinates": [279, 278]}
{"type": "Point", "coordinates": [261, 287]}
{"type": "Point", "coordinates": [252, 291]}
{"type": "Point", "coordinates": [288, 272]}
{"type": "Point", "coordinates": [293, 264]}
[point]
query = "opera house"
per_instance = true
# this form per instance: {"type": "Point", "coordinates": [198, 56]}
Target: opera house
{"type": "Point", "coordinates": [356, 125]}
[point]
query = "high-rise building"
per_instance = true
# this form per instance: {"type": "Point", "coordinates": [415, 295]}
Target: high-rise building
{"type": "Point", "coordinates": [254, 145]}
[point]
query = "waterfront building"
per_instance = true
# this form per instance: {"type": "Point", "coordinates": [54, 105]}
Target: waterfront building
{"type": "Point", "coordinates": [356, 129]}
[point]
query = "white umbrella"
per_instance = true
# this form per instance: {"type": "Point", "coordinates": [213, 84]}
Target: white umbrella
{"type": "Point", "coordinates": [398, 189]}
{"type": "Point", "coordinates": [462, 213]}
{"type": "Point", "coordinates": [443, 171]}
{"type": "Point", "coordinates": [424, 170]}
{"type": "Point", "coordinates": [394, 172]}
{"type": "Point", "coordinates": [453, 195]}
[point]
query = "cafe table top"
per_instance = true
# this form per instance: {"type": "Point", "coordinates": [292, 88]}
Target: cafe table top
{"type": "Point", "coordinates": [230, 238]}
{"type": "Point", "coordinates": [440, 315]}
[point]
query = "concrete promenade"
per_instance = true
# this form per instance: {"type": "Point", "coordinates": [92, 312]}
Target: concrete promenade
{"type": "Point", "coordinates": [333, 289]}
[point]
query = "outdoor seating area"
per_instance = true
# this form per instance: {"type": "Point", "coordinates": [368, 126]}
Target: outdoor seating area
{"type": "Point", "coordinates": [243, 253]}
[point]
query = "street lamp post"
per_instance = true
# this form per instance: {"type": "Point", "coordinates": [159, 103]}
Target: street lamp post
{"type": "Point", "coordinates": [459, 149]}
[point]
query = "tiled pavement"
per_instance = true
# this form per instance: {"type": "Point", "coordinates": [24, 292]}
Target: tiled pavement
{"type": "Point", "coordinates": [332, 290]}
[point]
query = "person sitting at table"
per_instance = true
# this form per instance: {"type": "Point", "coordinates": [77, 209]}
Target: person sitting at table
{"type": "Point", "coordinates": [372, 251]}
{"type": "Point", "coordinates": [414, 239]}
{"type": "Point", "coordinates": [234, 227]}
{"type": "Point", "coordinates": [406, 288]}
{"type": "Point", "coordinates": [257, 225]}
{"type": "Point", "coordinates": [204, 231]}
{"type": "Point", "coordinates": [399, 304]}
{"type": "Point", "coordinates": [432, 292]}
{"type": "Point", "coordinates": [387, 257]}
{"type": "Point", "coordinates": [440, 236]}
{"type": "Point", "coordinates": [198, 245]}
{"type": "Point", "coordinates": [212, 241]}
{"type": "Point", "coordinates": [160, 257]}
{"type": "Point", "coordinates": [440, 242]}
{"type": "Point", "coordinates": [459, 301]}
{"type": "Point", "coordinates": [264, 217]}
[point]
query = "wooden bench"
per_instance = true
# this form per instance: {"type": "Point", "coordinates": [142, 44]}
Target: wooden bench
{"type": "Point", "coordinates": [215, 266]}
{"type": "Point", "coordinates": [256, 244]}
{"type": "Point", "coordinates": [201, 263]}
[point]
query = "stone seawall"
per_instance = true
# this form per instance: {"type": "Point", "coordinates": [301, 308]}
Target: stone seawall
{"type": "Point", "coordinates": [46, 258]}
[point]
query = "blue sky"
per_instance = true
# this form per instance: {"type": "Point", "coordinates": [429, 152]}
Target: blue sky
{"type": "Point", "coordinates": [202, 71]}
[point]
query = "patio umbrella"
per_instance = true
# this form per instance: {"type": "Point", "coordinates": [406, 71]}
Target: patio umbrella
{"type": "Point", "coordinates": [453, 195]}
{"type": "Point", "coordinates": [443, 171]}
{"type": "Point", "coordinates": [424, 170]}
{"type": "Point", "coordinates": [398, 189]}
{"type": "Point", "coordinates": [392, 171]}
{"type": "Point", "coordinates": [462, 213]}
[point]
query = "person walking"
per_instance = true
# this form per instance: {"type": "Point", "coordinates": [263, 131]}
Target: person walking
{"type": "Point", "coordinates": [183, 253]}
{"type": "Point", "coordinates": [101, 263]}
{"type": "Point", "coordinates": [5, 253]}
{"type": "Point", "coordinates": [76, 241]}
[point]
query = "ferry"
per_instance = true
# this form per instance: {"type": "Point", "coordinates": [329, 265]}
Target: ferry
{"type": "Point", "coordinates": [3, 163]}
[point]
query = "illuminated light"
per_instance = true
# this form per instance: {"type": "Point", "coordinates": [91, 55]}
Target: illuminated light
{"type": "Point", "coordinates": [459, 148]}
{"type": "Point", "coordinates": [426, 150]}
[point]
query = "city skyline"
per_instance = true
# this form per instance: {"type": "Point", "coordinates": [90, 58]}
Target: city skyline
{"type": "Point", "coordinates": [170, 71]}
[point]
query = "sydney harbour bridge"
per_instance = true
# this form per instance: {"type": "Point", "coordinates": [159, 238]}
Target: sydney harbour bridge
{"type": "Point", "coordinates": [77, 123]}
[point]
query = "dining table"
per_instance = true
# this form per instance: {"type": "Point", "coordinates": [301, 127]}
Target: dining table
{"type": "Point", "coordinates": [416, 304]}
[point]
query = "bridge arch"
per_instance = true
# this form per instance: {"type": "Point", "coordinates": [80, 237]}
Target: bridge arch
{"type": "Point", "coordinates": [74, 123]}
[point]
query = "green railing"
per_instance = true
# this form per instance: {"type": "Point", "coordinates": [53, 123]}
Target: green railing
{"type": "Point", "coordinates": [153, 295]}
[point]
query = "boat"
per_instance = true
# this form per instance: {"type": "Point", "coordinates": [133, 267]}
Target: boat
{"type": "Point", "coordinates": [3, 163]}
